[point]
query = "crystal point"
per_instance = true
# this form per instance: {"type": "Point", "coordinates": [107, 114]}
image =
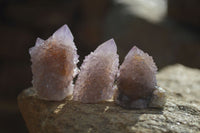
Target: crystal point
{"type": "Point", "coordinates": [107, 47]}
{"type": "Point", "coordinates": [63, 34]}
{"type": "Point", "coordinates": [137, 79]}
{"type": "Point", "coordinates": [39, 41]}
{"type": "Point", "coordinates": [96, 79]}
{"type": "Point", "coordinates": [135, 51]}
{"type": "Point", "coordinates": [54, 65]}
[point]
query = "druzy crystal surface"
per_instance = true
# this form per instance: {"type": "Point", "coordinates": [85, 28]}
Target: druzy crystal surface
{"type": "Point", "coordinates": [97, 75]}
{"type": "Point", "coordinates": [54, 65]}
{"type": "Point", "coordinates": [137, 80]}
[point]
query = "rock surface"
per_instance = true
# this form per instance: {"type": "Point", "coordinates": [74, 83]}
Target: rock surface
{"type": "Point", "coordinates": [180, 114]}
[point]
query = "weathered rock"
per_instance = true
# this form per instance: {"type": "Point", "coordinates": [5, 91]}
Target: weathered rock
{"type": "Point", "coordinates": [180, 114]}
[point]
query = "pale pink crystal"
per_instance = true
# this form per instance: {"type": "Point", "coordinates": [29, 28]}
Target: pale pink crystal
{"type": "Point", "coordinates": [97, 75]}
{"type": "Point", "coordinates": [137, 79]}
{"type": "Point", "coordinates": [54, 65]}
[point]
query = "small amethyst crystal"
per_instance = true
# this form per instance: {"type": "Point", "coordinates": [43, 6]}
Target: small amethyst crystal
{"type": "Point", "coordinates": [137, 80]}
{"type": "Point", "coordinates": [54, 65]}
{"type": "Point", "coordinates": [97, 75]}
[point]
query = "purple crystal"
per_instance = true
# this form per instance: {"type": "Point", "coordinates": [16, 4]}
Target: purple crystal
{"type": "Point", "coordinates": [137, 79]}
{"type": "Point", "coordinates": [97, 75]}
{"type": "Point", "coordinates": [39, 41]}
{"type": "Point", "coordinates": [54, 65]}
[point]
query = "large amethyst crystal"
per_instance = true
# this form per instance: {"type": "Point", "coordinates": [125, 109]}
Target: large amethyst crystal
{"type": "Point", "coordinates": [95, 82]}
{"type": "Point", "coordinates": [54, 65]}
{"type": "Point", "coordinates": [137, 80]}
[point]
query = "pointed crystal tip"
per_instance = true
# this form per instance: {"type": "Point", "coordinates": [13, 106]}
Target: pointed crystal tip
{"type": "Point", "coordinates": [108, 46]}
{"type": "Point", "coordinates": [63, 33]}
{"type": "Point", "coordinates": [136, 50]}
{"type": "Point", "coordinates": [112, 44]}
{"type": "Point", "coordinates": [39, 41]}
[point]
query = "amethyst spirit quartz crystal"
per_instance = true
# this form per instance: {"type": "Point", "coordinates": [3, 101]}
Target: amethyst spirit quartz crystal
{"type": "Point", "coordinates": [137, 85]}
{"type": "Point", "coordinates": [98, 72]}
{"type": "Point", "coordinates": [54, 65]}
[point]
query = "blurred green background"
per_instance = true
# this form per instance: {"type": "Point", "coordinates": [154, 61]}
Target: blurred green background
{"type": "Point", "coordinates": [167, 30]}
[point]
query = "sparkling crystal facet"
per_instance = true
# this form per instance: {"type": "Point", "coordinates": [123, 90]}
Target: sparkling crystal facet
{"type": "Point", "coordinates": [54, 65]}
{"type": "Point", "coordinates": [98, 71]}
{"type": "Point", "coordinates": [39, 41]}
{"type": "Point", "coordinates": [137, 79]}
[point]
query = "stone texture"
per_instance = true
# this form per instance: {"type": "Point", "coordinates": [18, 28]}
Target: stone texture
{"type": "Point", "coordinates": [95, 82]}
{"type": "Point", "coordinates": [137, 80]}
{"type": "Point", "coordinates": [54, 65]}
{"type": "Point", "coordinates": [180, 114]}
